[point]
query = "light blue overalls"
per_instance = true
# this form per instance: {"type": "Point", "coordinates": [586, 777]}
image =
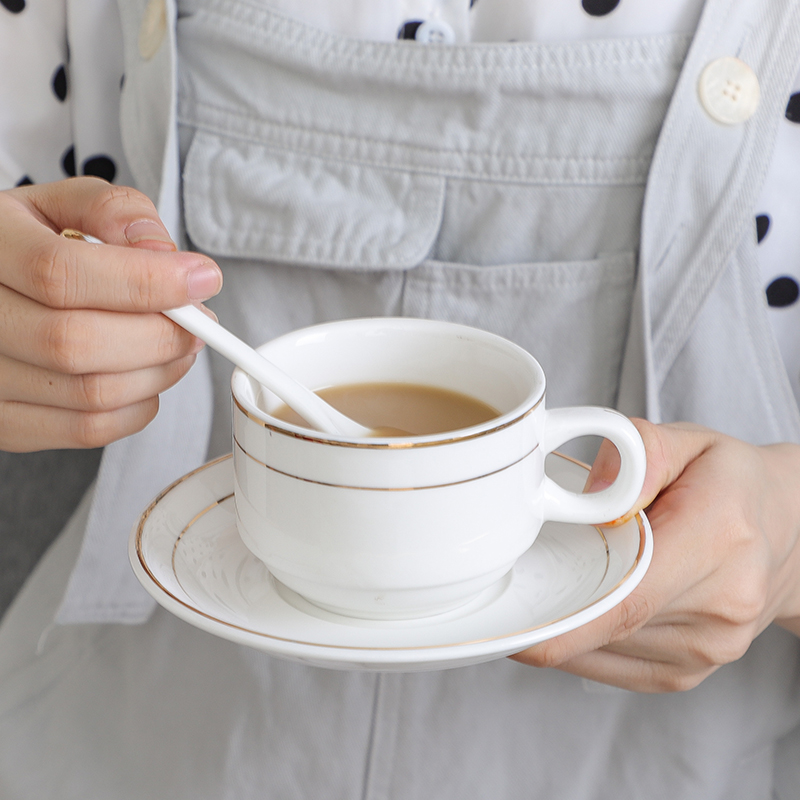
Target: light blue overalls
{"type": "Point", "coordinates": [573, 197]}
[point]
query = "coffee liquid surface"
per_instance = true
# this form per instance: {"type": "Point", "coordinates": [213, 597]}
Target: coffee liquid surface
{"type": "Point", "coordinates": [400, 409]}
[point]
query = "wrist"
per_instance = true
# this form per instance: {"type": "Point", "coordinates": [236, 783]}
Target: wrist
{"type": "Point", "coordinates": [785, 474]}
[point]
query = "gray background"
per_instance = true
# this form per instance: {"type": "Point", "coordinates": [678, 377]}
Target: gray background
{"type": "Point", "coordinates": [38, 492]}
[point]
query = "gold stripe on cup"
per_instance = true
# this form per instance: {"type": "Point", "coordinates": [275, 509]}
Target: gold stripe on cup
{"type": "Point", "coordinates": [383, 488]}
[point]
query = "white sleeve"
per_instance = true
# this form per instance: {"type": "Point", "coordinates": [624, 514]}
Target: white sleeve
{"type": "Point", "coordinates": [61, 62]}
{"type": "Point", "coordinates": [35, 128]}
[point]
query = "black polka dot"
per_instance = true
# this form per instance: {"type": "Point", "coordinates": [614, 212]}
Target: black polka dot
{"type": "Point", "coordinates": [14, 6]}
{"type": "Point", "coordinates": [68, 162]}
{"type": "Point", "coordinates": [783, 292]}
{"type": "Point", "coordinates": [60, 83]}
{"type": "Point", "coordinates": [793, 108]}
{"type": "Point", "coordinates": [408, 30]}
{"type": "Point", "coordinates": [599, 8]}
{"type": "Point", "coordinates": [101, 167]}
{"type": "Point", "coordinates": [122, 82]}
{"type": "Point", "coordinates": [25, 181]}
{"type": "Point", "coordinates": [762, 226]}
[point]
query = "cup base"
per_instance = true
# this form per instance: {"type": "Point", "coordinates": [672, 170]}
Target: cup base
{"type": "Point", "coordinates": [483, 598]}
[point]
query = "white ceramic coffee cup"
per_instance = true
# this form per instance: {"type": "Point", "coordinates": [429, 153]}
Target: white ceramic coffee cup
{"type": "Point", "coordinates": [407, 528]}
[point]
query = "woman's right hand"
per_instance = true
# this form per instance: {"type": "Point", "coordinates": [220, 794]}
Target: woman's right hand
{"type": "Point", "coordinates": [84, 352]}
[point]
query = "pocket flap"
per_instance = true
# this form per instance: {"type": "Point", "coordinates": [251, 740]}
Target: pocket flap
{"type": "Point", "coordinates": [243, 199]}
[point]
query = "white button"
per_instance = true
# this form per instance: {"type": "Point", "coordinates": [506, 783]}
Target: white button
{"type": "Point", "coordinates": [153, 28]}
{"type": "Point", "coordinates": [435, 31]}
{"type": "Point", "coordinates": [729, 90]}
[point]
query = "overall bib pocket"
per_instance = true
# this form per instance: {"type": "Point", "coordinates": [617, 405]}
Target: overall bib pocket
{"type": "Point", "coordinates": [244, 199]}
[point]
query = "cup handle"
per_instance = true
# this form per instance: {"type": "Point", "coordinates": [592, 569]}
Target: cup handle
{"type": "Point", "coordinates": [563, 424]}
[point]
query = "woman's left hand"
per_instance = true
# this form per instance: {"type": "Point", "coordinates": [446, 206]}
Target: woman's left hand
{"type": "Point", "coordinates": [726, 563]}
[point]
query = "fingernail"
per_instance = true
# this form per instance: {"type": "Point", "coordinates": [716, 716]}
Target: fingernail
{"type": "Point", "coordinates": [146, 230]}
{"type": "Point", "coordinates": [203, 282]}
{"type": "Point", "coordinates": [595, 484]}
{"type": "Point", "coordinates": [208, 312]}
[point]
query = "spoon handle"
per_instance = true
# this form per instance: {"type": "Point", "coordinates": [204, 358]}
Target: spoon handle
{"type": "Point", "coordinates": [298, 397]}
{"type": "Point", "coordinates": [301, 399]}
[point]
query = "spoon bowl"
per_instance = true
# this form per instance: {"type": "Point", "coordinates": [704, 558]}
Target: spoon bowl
{"type": "Point", "coordinates": [310, 406]}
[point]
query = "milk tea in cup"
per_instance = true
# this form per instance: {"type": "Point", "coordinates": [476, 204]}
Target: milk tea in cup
{"type": "Point", "coordinates": [400, 409]}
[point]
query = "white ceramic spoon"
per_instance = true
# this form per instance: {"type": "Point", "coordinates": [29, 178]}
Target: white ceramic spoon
{"type": "Point", "coordinates": [311, 407]}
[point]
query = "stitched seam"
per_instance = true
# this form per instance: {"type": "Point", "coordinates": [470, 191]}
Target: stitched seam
{"type": "Point", "coordinates": [607, 271]}
{"type": "Point", "coordinates": [636, 167]}
{"type": "Point", "coordinates": [533, 56]}
{"type": "Point", "coordinates": [422, 148]}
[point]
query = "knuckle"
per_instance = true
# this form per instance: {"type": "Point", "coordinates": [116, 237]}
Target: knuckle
{"type": "Point", "coordinates": [546, 655]}
{"type": "Point", "coordinates": [748, 582]}
{"type": "Point", "coordinates": [145, 286]}
{"type": "Point", "coordinates": [653, 437]}
{"type": "Point", "coordinates": [62, 338]}
{"type": "Point", "coordinates": [111, 196]}
{"type": "Point", "coordinates": [98, 392]}
{"type": "Point", "coordinates": [733, 530]}
{"type": "Point", "coordinates": [98, 429]}
{"type": "Point", "coordinates": [171, 343]}
{"type": "Point", "coordinates": [177, 370]}
{"type": "Point", "coordinates": [675, 679]}
{"type": "Point", "coordinates": [746, 605]}
{"type": "Point", "coordinates": [93, 430]}
{"type": "Point", "coordinates": [730, 649]}
{"type": "Point", "coordinates": [632, 614]}
{"type": "Point", "coordinates": [51, 275]}
{"type": "Point", "coordinates": [10, 441]}
{"type": "Point", "coordinates": [713, 646]}
{"type": "Point", "coordinates": [118, 203]}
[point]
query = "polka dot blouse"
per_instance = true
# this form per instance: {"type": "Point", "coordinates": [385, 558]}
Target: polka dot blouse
{"type": "Point", "coordinates": [59, 116]}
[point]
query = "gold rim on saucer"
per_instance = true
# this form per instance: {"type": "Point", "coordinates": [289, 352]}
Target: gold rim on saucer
{"type": "Point", "coordinates": [227, 497]}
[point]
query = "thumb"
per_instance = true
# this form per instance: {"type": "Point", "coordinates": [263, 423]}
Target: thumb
{"type": "Point", "coordinates": [670, 449]}
{"type": "Point", "coordinates": [149, 234]}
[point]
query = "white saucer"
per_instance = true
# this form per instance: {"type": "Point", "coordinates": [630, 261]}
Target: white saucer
{"type": "Point", "coordinates": [186, 552]}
